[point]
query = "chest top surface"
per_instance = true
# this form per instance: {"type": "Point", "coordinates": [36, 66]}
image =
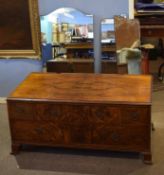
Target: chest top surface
{"type": "Point", "coordinates": [85, 88]}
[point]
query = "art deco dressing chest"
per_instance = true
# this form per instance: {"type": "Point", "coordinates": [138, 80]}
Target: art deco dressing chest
{"type": "Point", "coordinates": [93, 111]}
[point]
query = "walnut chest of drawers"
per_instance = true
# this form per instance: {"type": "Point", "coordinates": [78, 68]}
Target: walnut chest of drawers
{"type": "Point", "coordinates": [93, 111]}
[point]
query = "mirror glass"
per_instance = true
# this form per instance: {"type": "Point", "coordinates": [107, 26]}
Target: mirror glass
{"type": "Point", "coordinates": [67, 33]}
{"type": "Point", "coordinates": [108, 46]}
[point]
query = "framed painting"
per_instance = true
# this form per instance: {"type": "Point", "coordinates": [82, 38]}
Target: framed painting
{"type": "Point", "coordinates": [19, 29]}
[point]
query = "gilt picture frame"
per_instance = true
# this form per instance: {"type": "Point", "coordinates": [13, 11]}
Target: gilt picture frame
{"type": "Point", "coordinates": [20, 29]}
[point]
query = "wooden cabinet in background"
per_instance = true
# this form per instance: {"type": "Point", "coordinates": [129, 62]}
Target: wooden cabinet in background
{"type": "Point", "coordinates": [85, 49]}
{"type": "Point", "coordinates": [79, 66]}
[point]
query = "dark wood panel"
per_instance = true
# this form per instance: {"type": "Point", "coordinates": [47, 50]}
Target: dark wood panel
{"type": "Point", "coordinates": [125, 137]}
{"type": "Point", "coordinates": [80, 66]}
{"type": "Point", "coordinates": [105, 114]}
{"type": "Point", "coordinates": [38, 132]}
{"type": "Point", "coordinates": [22, 110]}
{"type": "Point", "coordinates": [19, 29]}
{"type": "Point", "coordinates": [153, 31]}
{"type": "Point", "coordinates": [135, 115]}
{"type": "Point", "coordinates": [59, 67]}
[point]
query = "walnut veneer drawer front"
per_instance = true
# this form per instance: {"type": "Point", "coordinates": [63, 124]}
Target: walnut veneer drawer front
{"type": "Point", "coordinates": [65, 113]}
{"type": "Point", "coordinates": [50, 132]}
{"type": "Point", "coordinates": [121, 137]}
{"type": "Point", "coordinates": [22, 110]}
{"type": "Point", "coordinates": [105, 114]}
{"type": "Point", "coordinates": [38, 132]}
{"type": "Point", "coordinates": [135, 115]}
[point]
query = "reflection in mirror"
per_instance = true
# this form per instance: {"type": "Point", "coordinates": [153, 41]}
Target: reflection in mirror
{"type": "Point", "coordinates": [67, 34]}
{"type": "Point", "coordinates": [108, 46]}
{"type": "Point", "coordinates": [127, 32]}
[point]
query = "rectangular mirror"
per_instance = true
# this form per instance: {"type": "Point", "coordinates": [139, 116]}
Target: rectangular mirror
{"type": "Point", "coordinates": [20, 29]}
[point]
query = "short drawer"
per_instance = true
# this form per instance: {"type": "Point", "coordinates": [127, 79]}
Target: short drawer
{"type": "Point", "coordinates": [38, 132]}
{"type": "Point", "coordinates": [104, 135]}
{"type": "Point", "coordinates": [64, 113]}
{"type": "Point", "coordinates": [22, 110]}
{"type": "Point", "coordinates": [49, 112]}
{"type": "Point", "coordinates": [127, 138]}
{"type": "Point", "coordinates": [105, 114]}
{"type": "Point", "coordinates": [135, 115]}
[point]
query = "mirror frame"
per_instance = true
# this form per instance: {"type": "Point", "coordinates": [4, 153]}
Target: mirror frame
{"type": "Point", "coordinates": [34, 24]}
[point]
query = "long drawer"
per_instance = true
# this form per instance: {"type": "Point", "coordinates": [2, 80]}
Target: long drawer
{"type": "Point", "coordinates": [130, 138]}
{"type": "Point", "coordinates": [74, 114]}
{"type": "Point", "coordinates": [50, 132]}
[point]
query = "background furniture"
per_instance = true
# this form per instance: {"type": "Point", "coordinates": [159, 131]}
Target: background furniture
{"type": "Point", "coordinates": [85, 49]}
{"type": "Point", "coordinates": [94, 111]}
{"type": "Point", "coordinates": [152, 26]}
{"type": "Point", "coordinates": [127, 36]}
{"type": "Point", "coordinates": [79, 66]}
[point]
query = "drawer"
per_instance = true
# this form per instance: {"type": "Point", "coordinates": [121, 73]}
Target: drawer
{"type": "Point", "coordinates": [127, 138]}
{"type": "Point", "coordinates": [103, 135]}
{"type": "Point", "coordinates": [38, 132]}
{"type": "Point", "coordinates": [104, 114]}
{"type": "Point", "coordinates": [22, 110]}
{"type": "Point", "coordinates": [137, 137]}
{"type": "Point", "coordinates": [135, 115]}
{"type": "Point", "coordinates": [49, 112]}
{"type": "Point", "coordinates": [152, 32]}
{"type": "Point", "coordinates": [64, 113]}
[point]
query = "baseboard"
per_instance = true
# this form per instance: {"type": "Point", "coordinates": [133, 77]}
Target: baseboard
{"type": "Point", "coordinates": [2, 100]}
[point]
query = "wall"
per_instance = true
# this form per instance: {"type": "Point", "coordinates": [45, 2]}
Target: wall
{"type": "Point", "coordinates": [12, 72]}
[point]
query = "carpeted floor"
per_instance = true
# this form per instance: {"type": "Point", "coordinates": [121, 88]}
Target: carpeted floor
{"type": "Point", "coordinates": [158, 85]}
{"type": "Point", "coordinates": [51, 161]}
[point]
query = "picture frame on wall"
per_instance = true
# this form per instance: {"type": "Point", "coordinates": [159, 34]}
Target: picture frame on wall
{"type": "Point", "coordinates": [20, 29]}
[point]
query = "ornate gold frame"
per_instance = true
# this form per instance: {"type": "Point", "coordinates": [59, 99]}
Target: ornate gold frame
{"type": "Point", "coordinates": [34, 23]}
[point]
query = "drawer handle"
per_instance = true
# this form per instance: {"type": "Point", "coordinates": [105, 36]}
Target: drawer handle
{"type": "Point", "coordinates": [115, 137]}
{"type": "Point", "coordinates": [20, 110]}
{"type": "Point", "coordinates": [39, 130]}
{"type": "Point", "coordinates": [99, 114]}
{"type": "Point", "coordinates": [135, 116]}
{"type": "Point", "coordinates": [53, 113]}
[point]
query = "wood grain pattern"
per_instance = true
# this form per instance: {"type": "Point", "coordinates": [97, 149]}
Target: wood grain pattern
{"type": "Point", "coordinates": [89, 88]}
